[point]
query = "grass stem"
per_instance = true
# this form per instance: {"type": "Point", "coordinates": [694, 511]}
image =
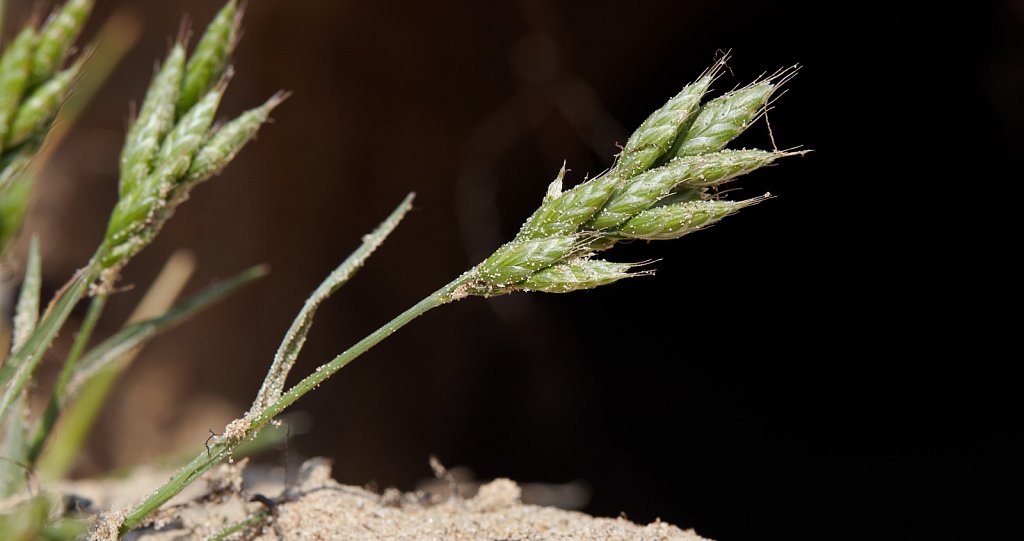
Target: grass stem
{"type": "Point", "coordinates": [251, 427]}
{"type": "Point", "coordinates": [77, 348]}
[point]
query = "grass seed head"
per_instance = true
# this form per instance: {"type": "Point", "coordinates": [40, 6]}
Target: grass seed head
{"type": "Point", "coordinates": [644, 191]}
{"type": "Point", "coordinates": [190, 152]}
{"type": "Point", "coordinates": [565, 213]}
{"type": "Point", "coordinates": [56, 38]}
{"type": "Point", "coordinates": [654, 138]}
{"type": "Point", "coordinates": [674, 221]}
{"type": "Point", "coordinates": [657, 190]}
{"type": "Point", "coordinates": [15, 66]}
{"type": "Point", "coordinates": [228, 140]}
{"type": "Point", "coordinates": [724, 118]}
{"type": "Point", "coordinates": [41, 106]}
{"type": "Point", "coordinates": [211, 56]}
{"type": "Point", "coordinates": [155, 119]}
{"type": "Point", "coordinates": [516, 261]}
{"type": "Point", "coordinates": [576, 275]}
{"type": "Point", "coordinates": [140, 213]}
{"type": "Point", "coordinates": [182, 143]}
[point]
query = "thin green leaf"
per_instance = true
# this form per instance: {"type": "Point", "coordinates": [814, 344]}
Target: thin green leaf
{"type": "Point", "coordinates": [26, 314]}
{"type": "Point", "coordinates": [135, 336]}
{"type": "Point", "coordinates": [247, 522]}
{"type": "Point", "coordinates": [14, 449]}
{"type": "Point", "coordinates": [293, 341]}
{"type": "Point", "coordinates": [15, 373]}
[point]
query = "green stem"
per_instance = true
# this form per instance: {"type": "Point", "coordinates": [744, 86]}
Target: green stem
{"type": "Point", "coordinates": [310, 382]}
{"type": "Point", "coordinates": [226, 444]}
{"type": "Point", "coordinates": [57, 398]}
{"type": "Point", "coordinates": [240, 525]}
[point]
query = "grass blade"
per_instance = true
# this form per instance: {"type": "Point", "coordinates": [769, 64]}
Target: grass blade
{"type": "Point", "coordinates": [135, 336]}
{"type": "Point", "coordinates": [15, 373]}
{"type": "Point", "coordinates": [14, 448]}
{"type": "Point", "coordinates": [293, 341]}
{"type": "Point", "coordinates": [100, 367]}
{"type": "Point", "coordinates": [26, 313]}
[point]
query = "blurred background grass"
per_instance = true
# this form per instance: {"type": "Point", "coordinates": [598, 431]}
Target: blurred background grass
{"type": "Point", "coordinates": [779, 372]}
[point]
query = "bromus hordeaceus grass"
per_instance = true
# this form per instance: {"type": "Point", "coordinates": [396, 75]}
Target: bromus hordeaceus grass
{"type": "Point", "coordinates": [172, 146]}
{"type": "Point", "coordinates": [662, 186]}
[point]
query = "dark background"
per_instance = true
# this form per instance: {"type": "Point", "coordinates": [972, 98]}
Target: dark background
{"type": "Point", "coordinates": [830, 364]}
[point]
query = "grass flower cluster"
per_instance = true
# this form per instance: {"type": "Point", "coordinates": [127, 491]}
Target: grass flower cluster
{"type": "Point", "coordinates": [173, 145]}
{"type": "Point", "coordinates": [663, 185]}
{"type": "Point", "coordinates": [33, 85]}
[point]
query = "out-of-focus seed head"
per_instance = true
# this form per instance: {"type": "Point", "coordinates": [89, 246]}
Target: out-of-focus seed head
{"type": "Point", "coordinates": [36, 112]}
{"type": "Point", "coordinates": [227, 141]}
{"type": "Point", "coordinates": [182, 143]}
{"type": "Point", "coordinates": [14, 73]}
{"type": "Point", "coordinates": [189, 153]}
{"type": "Point", "coordinates": [56, 38]}
{"type": "Point", "coordinates": [140, 213]}
{"type": "Point", "coordinates": [155, 119]}
{"type": "Point", "coordinates": [211, 56]}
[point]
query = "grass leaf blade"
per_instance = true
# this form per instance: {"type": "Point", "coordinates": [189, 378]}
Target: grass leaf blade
{"type": "Point", "coordinates": [19, 367]}
{"type": "Point", "coordinates": [136, 335]}
{"type": "Point", "coordinates": [26, 313]}
{"type": "Point", "coordinates": [288, 351]}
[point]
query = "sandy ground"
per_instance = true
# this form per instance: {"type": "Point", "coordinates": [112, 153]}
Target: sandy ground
{"type": "Point", "coordinates": [315, 507]}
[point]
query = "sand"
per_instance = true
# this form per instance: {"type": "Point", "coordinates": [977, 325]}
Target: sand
{"type": "Point", "coordinates": [315, 508]}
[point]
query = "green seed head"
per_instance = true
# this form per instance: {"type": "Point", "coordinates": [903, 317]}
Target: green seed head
{"type": "Point", "coordinates": [654, 138]}
{"type": "Point", "coordinates": [182, 143]}
{"type": "Point", "coordinates": [578, 274]}
{"type": "Point", "coordinates": [38, 110]}
{"type": "Point", "coordinates": [659, 189]}
{"type": "Point", "coordinates": [155, 119]}
{"type": "Point", "coordinates": [564, 213]}
{"type": "Point", "coordinates": [674, 221]}
{"type": "Point", "coordinates": [517, 260]}
{"type": "Point", "coordinates": [720, 167]}
{"type": "Point", "coordinates": [140, 213]}
{"type": "Point", "coordinates": [723, 119]}
{"type": "Point", "coordinates": [223, 145]}
{"type": "Point", "coordinates": [188, 154]}
{"type": "Point", "coordinates": [643, 191]}
{"type": "Point", "coordinates": [14, 73]}
{"type": "Point", "coordinates": [210, 59]}
{"type": "Point", "coordinates": [56, 38]}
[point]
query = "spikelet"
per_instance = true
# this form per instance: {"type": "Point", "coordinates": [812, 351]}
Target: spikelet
{"type": "Point", "coordinates": [657, 190]}
{"type": "Point", "coordinates": [174, 144]}
{"type": "Point", "coordinates": [211, 57]}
